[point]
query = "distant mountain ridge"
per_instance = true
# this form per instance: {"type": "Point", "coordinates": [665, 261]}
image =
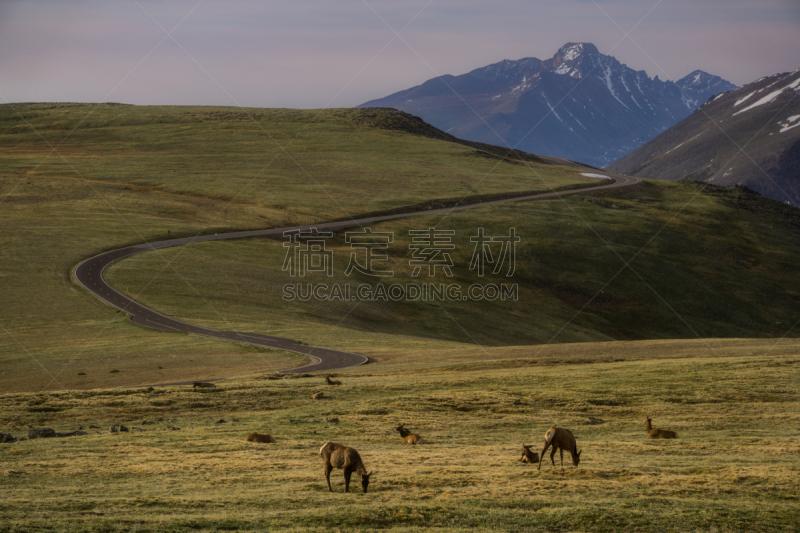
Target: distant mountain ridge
{"type": "Point", "coordinates": [763, 118]}
{"type": "Point", "coordinates": [579, 104]}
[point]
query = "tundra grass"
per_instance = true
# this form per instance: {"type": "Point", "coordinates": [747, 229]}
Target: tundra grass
{"type": "Point", "coordinates": [665, 261]}
{"type": "Point", "coordinates": [79, 179]}
{"type": "Point", "coordinates": [734, 467]}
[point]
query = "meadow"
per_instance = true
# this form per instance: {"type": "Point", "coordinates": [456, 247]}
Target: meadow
{"type": "Point", "coordinates": [673, 300]}
{"type": "Point", "coordinates": [733, 468]}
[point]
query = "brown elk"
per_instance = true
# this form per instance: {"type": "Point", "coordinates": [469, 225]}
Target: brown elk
{"type": "Point", "coordinates": [260, 437]}
{"type": "Point", "coordinates": [659, 433]}
{"type": "Point", "coordinates": [346, 458]}
{"type": "Point", "coordinates": [330, 381]}
{"type": "Point", "coordinates": [317, 395]}
{"type": "Point", "coordinates": [528, 456]}
{"type": "Point", "coordinates": [407, 436]}
{"type": "Point", "coordinates": [196, 384]}
{"type": "Point", "coordinates": [560, 439]}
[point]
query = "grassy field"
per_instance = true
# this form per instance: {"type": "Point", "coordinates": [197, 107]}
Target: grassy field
{"type": "Point", "coordinates": [126, 174]}
{"type": "Point", "coordinates": [588, 339]}
{"type": "Point", "coordinates": [734, 467]}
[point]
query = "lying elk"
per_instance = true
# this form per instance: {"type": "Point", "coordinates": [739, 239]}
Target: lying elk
{"type": "Point", "coordinates": [196, 384]}
{"type": "Point", "coordinates": [528, 456]}
{"type": "Point", "coordinates": [260, 437]}
{"type": "Point", "coordinates": [659, 433]}
{"type": "Point", "coordinates": [330, 381]}
{"type": "Point", "coordinates": [560, 439]}
{"type": "Point", "coordinates": [317, 395]}
{"type": "Point", "coordinates": [346, 458]}
{"type": "Point", "coordinates": [407, 436]}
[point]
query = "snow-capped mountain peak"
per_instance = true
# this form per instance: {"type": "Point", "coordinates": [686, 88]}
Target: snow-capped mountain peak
{"type": "Point", "coordinates": [585, 105]}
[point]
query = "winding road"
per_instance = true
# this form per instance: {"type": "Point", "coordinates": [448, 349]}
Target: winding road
{"type": "Point", "coordinates": [89, 274]}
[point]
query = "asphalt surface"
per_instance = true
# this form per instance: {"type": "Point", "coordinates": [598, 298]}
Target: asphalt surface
{"type": "Point", "coordinates": [89, 274]}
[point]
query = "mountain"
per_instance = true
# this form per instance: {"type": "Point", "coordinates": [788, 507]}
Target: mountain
{"type": "Point", "coordinates": [762, 118]}
{"type": "Point", "coordinates": [579, 104]}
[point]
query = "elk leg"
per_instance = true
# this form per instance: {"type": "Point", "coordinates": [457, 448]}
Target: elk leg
{"type": "Point", "coordinates": [552, 456]}
{"type": "Point", "coordinates": [562, 457]}
{"type": "Point", "coordinates": [347, 474]}
{"type": "Point", "coordinates": [328, 469]}
{"type": "Point", "coordinates": [541, 457]}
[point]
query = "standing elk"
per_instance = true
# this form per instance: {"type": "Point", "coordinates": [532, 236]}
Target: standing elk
{"type": "Point", "coordinates": [346, 458]}
{"type": "Point", "coordinates": [330, 381]}
{"type": "Point", "coordinates": [528, 456]}
{"type": "Point", "coordinates": [659, 433]}
{"type": "Point", "coordinates": [260, 437]}
{"type": "Point", "coordinates": [407, 436]}
{"type": "Point", "coordinates": [560, 439]}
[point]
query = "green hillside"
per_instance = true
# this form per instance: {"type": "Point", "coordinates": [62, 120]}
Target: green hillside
{"type": "Point", "coordinates": [78, 179]}
{"type": "Point", "coordinates": [714, 269]}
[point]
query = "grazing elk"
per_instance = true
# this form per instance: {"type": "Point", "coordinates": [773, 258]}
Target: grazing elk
{"type": "Point", "coordinates": [260, 437]}
{"type": "Point", "coordinates": [407, 436]}
{"type": "Point", "coordinates": [560, 439]}
{"type": "Point", "coordinates": [528, 456]}
{"type": "Point", "coordinates": [317, 395]}
{"type": "Point", "coordinates": [659, 433]}
{"type": "Point", "coordinates": [196, 384]}
{"type": "Point", "coordinates": [346, 458]}
{"type": "Point", "coordinates": [330, 381]}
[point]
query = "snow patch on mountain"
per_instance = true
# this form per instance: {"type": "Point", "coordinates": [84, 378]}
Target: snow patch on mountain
{"type": "Point", "coordinates": [563, 69]}
{"type": "Point", "coordinates": [572, 52]}
{"type": "Point", "coordinates": [787, 124]}
{"type": "Point", "coordinates": [607, 74]}
{"type": "Point", "coordinates": [744, 98]}
{"type": "Point", "coordinates": [770, 97]}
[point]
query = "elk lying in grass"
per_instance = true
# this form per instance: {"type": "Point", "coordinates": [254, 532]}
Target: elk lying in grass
{"type": "Point", "coordinates": [659, 433]}
{"type": "Point", "coordinates": [528, 456]}
{"type": "Point", "coordinates": [317, 395]}
{"type": "Point", "coordinates": [196, 384]}
{"type": "Point", "coordinates": [260, 437]}
{"type": "Point", "coordinates": [330, 381]}
{"type": "Point", "coordinates": [560, 439]}
{"type": "Point", "coordinates": [346, 458]}
{"type": "Point", "coordinates": [407, 436]}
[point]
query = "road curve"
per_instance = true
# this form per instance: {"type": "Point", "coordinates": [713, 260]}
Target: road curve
{"type": "Point", "coordinates": [89, 274]}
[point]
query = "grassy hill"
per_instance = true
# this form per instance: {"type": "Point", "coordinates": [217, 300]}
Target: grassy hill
{"type": "Point", "coordinates": [700, 264]}
{"type": "Point", "coordinates": [78, 179]}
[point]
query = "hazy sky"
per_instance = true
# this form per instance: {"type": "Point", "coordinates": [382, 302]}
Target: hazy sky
{"type": "Point", "coordinates": [339, 53]}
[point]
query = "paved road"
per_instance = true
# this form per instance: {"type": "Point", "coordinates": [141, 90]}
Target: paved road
{"type": "Point", "coordinates": [89, 273]}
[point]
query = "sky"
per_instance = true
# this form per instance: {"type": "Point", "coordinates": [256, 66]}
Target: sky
{"type": "Point", "coordinates": [341, 53]}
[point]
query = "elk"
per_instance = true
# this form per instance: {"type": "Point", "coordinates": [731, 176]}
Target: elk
{"type": "Point", "coordinates": [407, 436]}
{"type": "Point", "coordinates": [561, 439]}
{"type": "Point", "coordinates": [659, 433]}
{"type": "Point", "coordinates": [260, 437]}
{"type": "Point", "coordinates": [528, 456]}
{"type": "Point", "coordinates": [196, 384]}
{"type": "Point", "coordinates": [346, 458]}
{"type": "Point", "coordinates": [317, 395]}
{"type": "Point", "coordinates": [330, 381]}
